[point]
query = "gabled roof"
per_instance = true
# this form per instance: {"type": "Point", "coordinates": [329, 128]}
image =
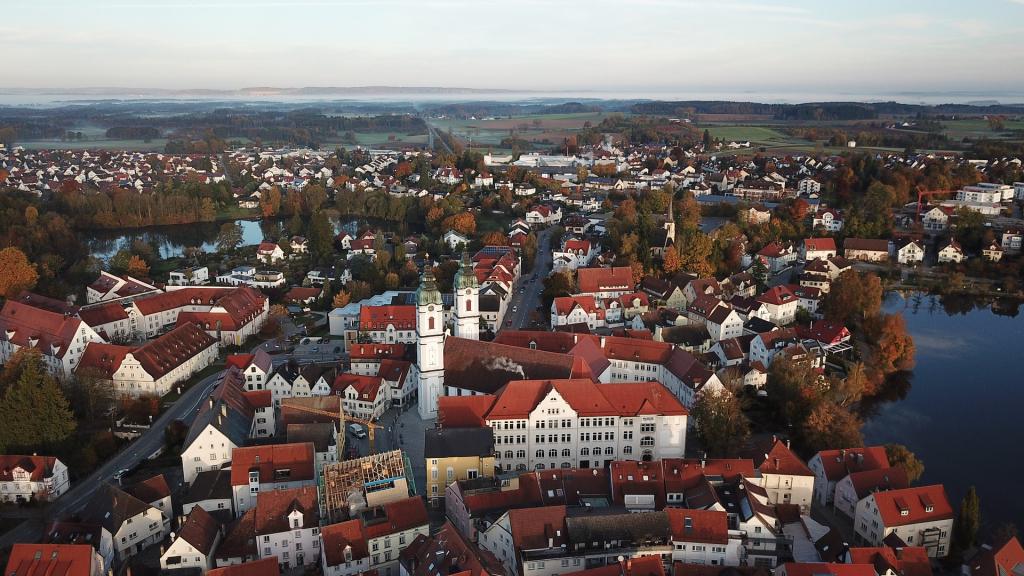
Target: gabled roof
{"type": "Point", "coordinates": [151, 489]}
{"type": "Point", "coordinates": [111, 507]}
{"type": "Point", "coordinates": [270, 461]}
{"type": "Point", "coordinates": [38, 467]}
{"type": "Point", "coordinates": [705, 526]}
{"type": "Point", "coordinates": [533, 528]}
{"type": "Point", "coordinates": [355, 534]}
{"type": "Point", "coordinates": [838, 463]}
{"type": "Point", "coordinates": [200, 530]}
{"type": "Point", "coordinates": [274, 506]}
{"type": "Point", "coordinates": [25, 325]}
{"type": "Point", "coordinates": [1003, 559]}
{"type": "Point", "coordinates": [262, 567]}
{"type": "Point", "coordinates": [458, 442]}
{"type": "Point", "coordinates": [907, 561]}
{"type": "Point", "coordinates": [867, 481]}
{"type": "Point", "coordinates": [593, 280]}
{"type": "Point", "coordinates": [781, 460]}
{"type": "Point", "coordinates": [487, 366]}
{"type": "Point", "coordinates": [50, 560]}
{"type": "Point", "coordinates": [915, 502]}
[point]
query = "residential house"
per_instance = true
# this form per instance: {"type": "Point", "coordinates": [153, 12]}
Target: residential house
{"type": "Point", "coordinates": [910, 251]}
{"type": "Point", "coordinates": [32, 321]}
{"type": "Point", "coordinates": [993, 252]}
{"type": "Point", "coordinates": [32, 478]}
{"type": "Point", "coordinates": [1012, 241]}
{"type": "Point", "coordinates": [447, 547]}
{"type": "Point", "coordinates": [785, 477]}
{"type": "Point", "coordinates": [455, 240]}
{"type": "Point", "coordinates": [815, 248]}
{"type": "Point", "coordinates": [194, 544]}
{"type": "Point", "coordinates": [1004, 558]}
{"type": "Point", "coordinates": [269, 253]}
{"type": "Point", "coordinates": [857, 486]}
{"type": "Point", "coordinates": [263, 567]}
{"type": "Point", "coordinates": [373, 541]}
{"type": "Point", "coordinates": [721, 320]}
{"type": "Point", "coordinates": [605, 282]}
{"type": "Point", "coordinates": [919, 516]}
{"type": "Point", "coordinates": [936, 219]}
{"type": "Point", "coordinates": [153, 368]}
{"type": "Point", "coordinates": [454, 454]}
{"type": "Point", "coordinates": [828, 219]}
{"type": "Point", "coordinates": [63, 532]}
{"type": "Point", "coordinates": [781, 304]}
{"type": "Point", "coordinates": [111, 287]}
{"type": "Point", "coordinates": [831, 466]}
{"type": "Point", "coordinates": [191, 276]}
{"type": "Point", "coordinates": [866, 249]}
{"type": "Point", "coordinates": [54, 559]}
{"type": "Point", "coordinates": [211, 491]}
{"type": "Point", "coordinates": [777, 257]}
{"type": "Point", "coordinates": [577, 310]}
{"type": "Point", "coordinates": [133, 524]}
{"type": "Point", "coordinates": [365, 397]}
{"type": "Point", "coordinates": [951, 252]}
{"type": "Point", "coordinates": [286, 525]}
{"type": "Point", "coordinates": [227, 419]}
{"type": "Point", "coordinates": [258, 469]}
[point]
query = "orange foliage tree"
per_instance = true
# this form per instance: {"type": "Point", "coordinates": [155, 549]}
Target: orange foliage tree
{"type": "Point", "coordinates": [16, 272]}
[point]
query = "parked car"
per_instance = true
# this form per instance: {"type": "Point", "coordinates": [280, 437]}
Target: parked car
{"type": "Point", "coordinates": [356, 430]}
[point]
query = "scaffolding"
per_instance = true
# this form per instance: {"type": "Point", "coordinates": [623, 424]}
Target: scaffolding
{"type": "Point", "coordinates": [350, 486]}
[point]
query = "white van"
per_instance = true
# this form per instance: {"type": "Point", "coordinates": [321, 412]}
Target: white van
{"type": "Point", "coordinates": [356, 430]}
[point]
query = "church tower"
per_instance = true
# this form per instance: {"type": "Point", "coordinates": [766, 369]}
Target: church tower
{"type": "Point", "coordinates": [429, 344]}
{"type": "Point", "coordinates": [467, 301]}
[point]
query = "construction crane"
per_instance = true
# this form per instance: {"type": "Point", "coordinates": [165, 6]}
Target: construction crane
{"type": "Point", "coordinates": [342, 418]}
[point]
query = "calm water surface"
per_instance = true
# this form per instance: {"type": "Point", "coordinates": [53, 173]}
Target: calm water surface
{"type": "Point", "coordinates": [962, 414]}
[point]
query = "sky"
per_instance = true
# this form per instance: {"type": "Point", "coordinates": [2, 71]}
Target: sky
{"type": "Point", "coordinates": [635, 46]}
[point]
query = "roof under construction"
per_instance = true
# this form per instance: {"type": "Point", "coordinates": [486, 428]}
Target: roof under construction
{"type": "Point", "coordinates": [347, 484]}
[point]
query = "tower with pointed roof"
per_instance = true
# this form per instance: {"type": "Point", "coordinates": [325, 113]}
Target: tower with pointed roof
{"type": "Point", "coordinates": [429, 343]}
{"type": "Point", "coordinates": [467, 301]}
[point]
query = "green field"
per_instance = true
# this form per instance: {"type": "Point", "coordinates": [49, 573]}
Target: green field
{"type": "Point", "coordinates": [977, 128]}
{"type": "Point", "coordinates": [154, 145]}
{"type": "Point", "coordinates": [751, 133]}
{"type": "Point", "coordinates": [543, 130]}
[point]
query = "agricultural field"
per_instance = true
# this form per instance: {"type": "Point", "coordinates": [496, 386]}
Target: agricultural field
{"type": "Point", "coordinates": [977, 128]}
{"type": "Point", "coordinates": [745, 133]}
{"type": "Point", "coordinates": [542, 130]}
{"type": "Point", "coordinates": [154, 145]}
{"type": "Point", "coordinates": [380, 139]}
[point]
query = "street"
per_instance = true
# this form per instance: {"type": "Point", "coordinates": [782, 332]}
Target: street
{"type": "Point", "coordinates": [522, 305]}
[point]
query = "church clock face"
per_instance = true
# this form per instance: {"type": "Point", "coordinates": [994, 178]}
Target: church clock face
{"type": "Point", "coordinates": [430, 308]}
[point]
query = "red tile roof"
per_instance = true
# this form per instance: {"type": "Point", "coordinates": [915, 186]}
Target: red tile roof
{"type": "Point", "coordinates": [200, 530]}
{"type": "Point", "coordinates": [587, 398]}
{"type": "Point", "coordinates": [298, 459]}
{"type": "Point", "coordinates": [819, 244]}
{"type": "Point", "coordinates": [839, 463]}
{"type": "Point", "coordinates": [565, 304]}
{"type": "Point", "coordinates": [532, 528]}
{"type": "Point", "coordinates": [707, 526]}
{"type": "Point", "coordinates": [463, 411]}
{"type": "Point", "coordinates": [380, 317]}
{"type": "Point", "coordinates": [157, 357]}
{"type": "Point", "coordinates": [915, 501]}
{"type": "Point", "coordinates": [391, 518]}
{"type": "Point", "coordinates": [272, 508]}
{"type": "Point", "coordinates": [1001, 560]}
{"type": "Point", "coordinates": [908, 561]}
{"type": "Point", "coordinates": [103, 314]}
{"type": "Point", "coordinates": [366, 386]}
{"type": "Point", "coordinates": [22, 323]}
{"type": "Point", "coordinates": [823, 569]}
{"type": "Point", "coordinates": [51, 560]}
{"type": "Point", "coordinates": [38, 467]}
{"type": "Point", "coordinates": [593, 280]}
{"type": "Point", "coordinates": [777, 295]}
{"type": "Point", "coordinates": [781, 460]}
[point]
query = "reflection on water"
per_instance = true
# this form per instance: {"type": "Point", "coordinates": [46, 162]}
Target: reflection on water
{"type": "Point", "coordinates": [959, 410]}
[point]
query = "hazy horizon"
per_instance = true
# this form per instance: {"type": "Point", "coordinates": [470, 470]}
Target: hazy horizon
{"type": "Point", "coordinates": [572, 46]}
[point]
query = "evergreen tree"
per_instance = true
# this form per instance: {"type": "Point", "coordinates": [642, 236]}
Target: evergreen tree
{"type": "Point", "coordinates": [34, 411]}
{"type": "Point", "coordinates": [968, 521]}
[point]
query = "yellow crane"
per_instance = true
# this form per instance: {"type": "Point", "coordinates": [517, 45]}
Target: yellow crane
{"type": "Point", "coordinates": [342, 418]}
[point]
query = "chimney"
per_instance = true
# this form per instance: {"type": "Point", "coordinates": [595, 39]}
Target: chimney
{"type": "Point", "coordinates": [224, 410]}
{"type": "Point", "coordinates": [211, 401]}
{"type": "Point", "coordinates": [787, 442]}
{"type": "Point", "coordinates": [774, 438]}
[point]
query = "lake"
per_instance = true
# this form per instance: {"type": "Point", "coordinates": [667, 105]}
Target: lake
{"type": "Point", "coordinates": [172, 240]}
{"type": "Point", "coordinates": [962, 412]}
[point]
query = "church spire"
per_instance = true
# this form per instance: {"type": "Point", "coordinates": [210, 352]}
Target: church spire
{"type": "Point", "coordinates": [428, 292]}
{"type": "Point", "coordinates": [467, 276]}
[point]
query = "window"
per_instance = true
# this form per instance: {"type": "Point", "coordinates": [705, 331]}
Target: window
{"type": "Point", "coordinates": [627, 449]}
{"type": "Point", "coordinates": [566, 453]}
{"type": "Point", "coordinates": [552, 453]}
{"type": "Point", "coordinates": [647, 441]}
{"type": "Point", "coordinates": [586, 451]}
{"type": "Point", "coordinates": [540, 453]}
{"type": "Point", "coordinates": [647, 427]}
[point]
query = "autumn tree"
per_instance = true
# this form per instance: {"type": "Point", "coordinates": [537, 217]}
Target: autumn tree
{"type": "Point", "coordinates": [853, 297]}
{"type": "Point", "coordinates": [391, 281]}
{"type": "Point", "coordinates": [89, 394]}
{"type": "Point", "coordinates": [16, 272]}
{"type": "Point", "coordinates": [464, 223]}
{"type": "Point", "coordinates": [891, 345]}
{"type": "Point", "coordinates": [529, 250]}
{"type": "Point", "coordinates": [341, 299]}
{"type": "Point", "coordinates": [270, 202]}
{"type": "Point", "coordinates": [278, 311]}
{"type": "Point", "coordinates": [494, 238]}
{"type": "Point", "coordinates": [320, 237]}
{"type": "Point", "coordinates": [721, 424]}
{"type": "Point", "coordinates": [670, 262]}
{"type": "Point", "coordinates": [695, 248]}
{"type": "Point", "coordinates": [828, 426]}
{"type": "Point", "coordinates": [901, 457]}
{"type": "Point", "coordinates": [207, 210]}
{"type": "Point", "coordinates": [794, 387]}
{"type": "Point", "coordinates": [31, 215]}
{"type": "Point", "coordinates": [137, 267]}
{"type": "Point", "coordinates": [845, 392]}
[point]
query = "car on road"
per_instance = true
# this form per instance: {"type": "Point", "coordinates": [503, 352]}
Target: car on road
{"type": "Point", "coordinates": [120, 474]}
{"type": "Point", "coordinates": [515, 308]}
{"type": "Point", "coordinates": [356, 430]}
